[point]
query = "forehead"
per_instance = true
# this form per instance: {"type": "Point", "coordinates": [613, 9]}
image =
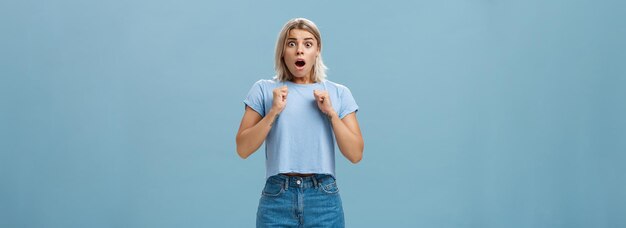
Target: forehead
{"type": "Point", "coordinates": [300, 34]}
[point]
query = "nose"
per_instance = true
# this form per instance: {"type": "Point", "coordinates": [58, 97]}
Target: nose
{"type": "Point", "coordinates": [300, 50]}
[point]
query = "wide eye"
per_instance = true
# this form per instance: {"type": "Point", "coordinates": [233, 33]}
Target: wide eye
{"type": "Point", "coordinates": [291, 44]}
{"type": "Point", "coordinates": [309, 44]}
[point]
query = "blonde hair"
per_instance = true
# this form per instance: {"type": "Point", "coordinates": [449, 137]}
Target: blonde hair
{"type": "Point", "coordinates": [282, 72]}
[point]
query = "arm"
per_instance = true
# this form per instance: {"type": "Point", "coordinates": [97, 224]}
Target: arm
{"type": "Point", "coordinates": [254, 128]}
{"type": "Point", "coordinates": [252, 131]}
{"type": "Point", "coordinates": [347, 131]}
{"type": "Point", "coordinates": [348, 135]}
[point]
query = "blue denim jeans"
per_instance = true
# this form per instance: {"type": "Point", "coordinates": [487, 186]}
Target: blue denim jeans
{"type": "Point", "coordinates": [312, 201]}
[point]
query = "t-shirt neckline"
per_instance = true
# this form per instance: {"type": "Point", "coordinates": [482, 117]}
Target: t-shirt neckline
{"type": "Point", "coordinates": [308, 84]}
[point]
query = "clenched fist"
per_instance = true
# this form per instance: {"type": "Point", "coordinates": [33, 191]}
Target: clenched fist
{"type": "Point", "coordinates": [323, 102]}
{"type": "Point", "coordinates": [280, 99]}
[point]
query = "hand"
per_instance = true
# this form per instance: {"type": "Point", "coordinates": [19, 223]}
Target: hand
{"type": "Point", "coordinates": [323, 102]}
{"type": "Point", "coordinates": [280, 99]}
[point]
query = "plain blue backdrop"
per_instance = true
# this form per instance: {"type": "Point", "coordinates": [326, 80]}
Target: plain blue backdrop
{"type": "Point", "coordinates": [481, 113]}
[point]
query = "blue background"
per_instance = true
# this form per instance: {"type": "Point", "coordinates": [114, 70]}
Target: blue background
{"type": "Point", "coordinates": [480, 113]}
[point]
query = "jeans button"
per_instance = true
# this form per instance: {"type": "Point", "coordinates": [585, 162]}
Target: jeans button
{"type": "Point", "coordinates": [298, 182]}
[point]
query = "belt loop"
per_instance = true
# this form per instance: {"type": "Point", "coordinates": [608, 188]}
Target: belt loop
{"type": "Point", "coordinates": [314, 181]}
{"type": "Point", "coordinates": [286, 183]}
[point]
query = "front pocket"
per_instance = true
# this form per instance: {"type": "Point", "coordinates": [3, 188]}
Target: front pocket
{"type": "Point", "coordinates": [272, 189]}
{"type": "Point", "coordinates": [330, 188]}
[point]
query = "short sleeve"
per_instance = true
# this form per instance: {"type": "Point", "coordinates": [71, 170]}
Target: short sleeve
{"type": "Point", "coordinates": [348, 104]}
{"type": "Point", "coordinates": [255, 98]}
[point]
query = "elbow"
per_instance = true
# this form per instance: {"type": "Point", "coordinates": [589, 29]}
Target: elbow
{"type": "Point", "coordinates": [242, 153]}
{"type": "Point", "coordinates": [240, 149]}
{"type": "Point", "coordinates": [357, 159]}
{"type": "Point", "coordinates": [359, 155]}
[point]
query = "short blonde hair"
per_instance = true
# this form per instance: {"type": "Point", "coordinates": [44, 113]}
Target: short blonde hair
{"type": "Point", "coordinates": [282, 72]}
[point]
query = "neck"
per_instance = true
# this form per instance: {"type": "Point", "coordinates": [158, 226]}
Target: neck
{"type": "Point", "coordinates": [302, 80]}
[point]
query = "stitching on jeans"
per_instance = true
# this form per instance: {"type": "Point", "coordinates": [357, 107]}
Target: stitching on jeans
{"type": "Point", "coordinates": [324, 188]}
{"type": "Point", "coordinates": [272, 195]}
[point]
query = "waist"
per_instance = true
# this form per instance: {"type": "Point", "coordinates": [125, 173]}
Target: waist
{"type": "Point", "coordinates": [312, 180]}
{"type": "Point", "coordinates": [298, 174]}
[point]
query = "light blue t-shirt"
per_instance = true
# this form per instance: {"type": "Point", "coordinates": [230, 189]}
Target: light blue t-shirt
{"type": "Point", "coordinates": [301, 139]}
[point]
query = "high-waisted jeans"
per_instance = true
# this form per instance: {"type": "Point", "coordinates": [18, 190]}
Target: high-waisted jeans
{"type": "Point", "coordinates": [288, 201]}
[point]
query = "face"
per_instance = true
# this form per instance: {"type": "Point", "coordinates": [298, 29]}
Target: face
{"type": "Point", "coordinates": [301, 51]}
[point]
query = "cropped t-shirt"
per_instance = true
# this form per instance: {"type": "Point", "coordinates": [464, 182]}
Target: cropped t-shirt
{"type": "Point", "coordinates": [301, 139]}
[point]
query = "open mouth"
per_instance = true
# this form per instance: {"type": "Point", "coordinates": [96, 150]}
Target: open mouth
{"type": "Point", "coordinates": [300, 63]}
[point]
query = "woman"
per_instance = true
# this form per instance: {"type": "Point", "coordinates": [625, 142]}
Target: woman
{"type": "Point", "coordinates": [297, 113]}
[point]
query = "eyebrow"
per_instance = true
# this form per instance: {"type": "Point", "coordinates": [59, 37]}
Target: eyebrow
{"type": "Point", "coordinates": [308, 38]}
